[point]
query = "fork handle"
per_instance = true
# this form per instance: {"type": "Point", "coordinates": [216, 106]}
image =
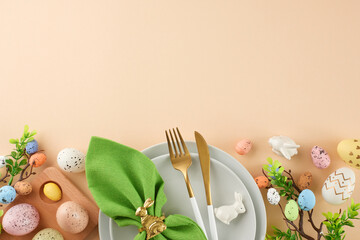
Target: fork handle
{"type": "Point", "coordinates": [198, 215]}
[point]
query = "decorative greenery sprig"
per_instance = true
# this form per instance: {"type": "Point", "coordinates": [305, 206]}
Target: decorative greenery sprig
{"type": "Point", "coordinates": [275, 172]}
{"type": "Point", "coordinates": [18, 156]}
{"type": "Point", "coordinates": [334, 222]}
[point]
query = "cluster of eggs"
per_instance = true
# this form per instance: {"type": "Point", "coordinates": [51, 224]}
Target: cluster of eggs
{"type": "Point", "coordinates": [24, 218]}
{"type": "Point", "coordinates": [8, 193]}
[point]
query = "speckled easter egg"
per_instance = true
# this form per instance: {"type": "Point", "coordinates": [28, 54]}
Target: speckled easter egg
{"type": "Point", "coordinates": [273, 196]}
{"type": "Point", "coordinates": [48, 234]}
{"type": "Point", "coordinates": [305, 180]}
{"type": "Point", "coordinates": [37, 159]}
{"type": "Point", "coordinates": [7, 194]}
{"type": "Point", "coordinates": [262, 181]}
{"type": "Point", "coordinates": [23, 188]}
{"type": "Point", "coordinates": [52, 191]}
{"type": "Point", "coordinates": [243, 146]}
{"type": "Point", "coordinates": [320, 157]}
{"type": "Point", "coordinates": [71, 160]}
{"type": "Point", "coordinates": [72, 217]}
{"type": "Point", "coordinates": [306, 200]}
{"type": "Point", "coordinates": [21, 219]}
{"type": "Point", "coordinates": [291, 210]}
{"type": "Point", "coordinates": [339, 186]}
{"type": "Point", "coordinates": [2, 161]}
{"type": "Point", "coordinates": [349, 151]}
{"type": "Point", "coordinates": [32, 147]}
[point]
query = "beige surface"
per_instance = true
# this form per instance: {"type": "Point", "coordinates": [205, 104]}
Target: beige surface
{"type": "Point", "coordinates": [126, 70]}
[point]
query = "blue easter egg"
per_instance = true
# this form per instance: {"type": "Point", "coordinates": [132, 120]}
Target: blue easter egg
{"type": "Point", "coordinates": [32, 147]}
{"type": "Point", "coordinates": [277, 170]}
{"type": "Point", "coordinates": [306, 200]}
{"type": "Point", "coordinates": [7, 194]}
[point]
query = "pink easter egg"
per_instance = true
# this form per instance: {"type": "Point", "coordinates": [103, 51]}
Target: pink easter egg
{"type": "Point", "coordinates": [320, 157]}
{"type": "Point", "coordinates": [243, 146]}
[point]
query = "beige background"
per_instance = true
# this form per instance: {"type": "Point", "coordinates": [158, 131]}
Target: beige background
{"type": "Point", "coordinates": [127, 70]}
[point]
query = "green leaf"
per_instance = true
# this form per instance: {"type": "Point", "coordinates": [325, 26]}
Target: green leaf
{"type": "Point", "coordinates": [23, 162]}
{"type": "Point", "coordinates": [26, 129]}
{"type": "Point", "coordinates": [33, 133]}
{"type": "Point", "coordinates": [327, 224]}
{"type": "Point", "coordinates": [270, 161]}
{"type": "Point", "coordinates": [9, 167]}
{"type": "Point", "coordinates": [1, 212]}
{"type": "Point", "coordinates": [9, 161]}
{"type": "Point", "coordinates": [13, 141]}
{"type": "Point", "coordinates": [30, 139]}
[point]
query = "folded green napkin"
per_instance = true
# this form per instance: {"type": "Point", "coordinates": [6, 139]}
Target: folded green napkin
{"type": "Point", "coordinates": [121, 179]}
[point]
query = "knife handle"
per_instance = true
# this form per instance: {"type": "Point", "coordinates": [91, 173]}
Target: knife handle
{"type": "Point", "coordinates": [213, 230]}
{"type": "Point", "coordinates": [197, 214]}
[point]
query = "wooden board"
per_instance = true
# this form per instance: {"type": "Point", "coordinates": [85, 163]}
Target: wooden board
{"type": "Point", "coordinates": [48, 208]}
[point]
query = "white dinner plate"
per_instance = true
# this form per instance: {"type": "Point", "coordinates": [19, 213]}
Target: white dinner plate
{"type": "Point", "coordinates": [226, 159]}
{"type": "Point", "coordinates": [224, 183]}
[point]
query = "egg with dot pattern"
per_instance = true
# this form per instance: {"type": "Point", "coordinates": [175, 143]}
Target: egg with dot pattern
{"type": "Point", "coordinates": [307, 200]}
{"type": "Point", "coordinates": [273, 196]}
{"type": "Point", "coordinates": [32, 147]}
{"type": "Point", "coordinates": [72, 217]}
{"type": "Point", "coordinates": [7, 194]}
{"type": "Point", "coordinates": [2, 161]}
{"type": "Point", "coordinates": [71, 160]}
{"type": "Point", "coordinates": [48, 234]}
{"type": "Point", "coordinates": [349, 151]}
{"type": "Point", "coordinates": [291, 210]}
{"type": "Point", "coordinates": [21, 219]}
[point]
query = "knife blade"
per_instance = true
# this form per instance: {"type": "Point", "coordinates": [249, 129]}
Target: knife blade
{"type": "Point", "coordinates": [204, 156]}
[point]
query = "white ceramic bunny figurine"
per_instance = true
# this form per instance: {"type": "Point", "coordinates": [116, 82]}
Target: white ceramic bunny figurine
{"type": "Point", "coordinates": [229, 212]}
{"type": "Point", "coordinates": [283, 146]}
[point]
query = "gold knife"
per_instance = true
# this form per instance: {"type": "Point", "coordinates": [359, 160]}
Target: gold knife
{"type": "Point", "coordinates": [204, 156]}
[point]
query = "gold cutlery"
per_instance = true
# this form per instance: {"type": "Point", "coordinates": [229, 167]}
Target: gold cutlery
{"type": "Point", "coordinates": [204, 156]}
{"type": "Point", "coordinates": [181, 161]}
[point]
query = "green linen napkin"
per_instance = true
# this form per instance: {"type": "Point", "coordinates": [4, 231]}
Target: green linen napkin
{"type": "Point", "coordinates": [121, 179]}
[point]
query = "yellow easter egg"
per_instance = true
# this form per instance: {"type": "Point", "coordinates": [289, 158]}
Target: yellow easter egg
{"type": "Point", "coordinates": [52, 191]}
{"type": "Point", "coordinates": [349, 151]}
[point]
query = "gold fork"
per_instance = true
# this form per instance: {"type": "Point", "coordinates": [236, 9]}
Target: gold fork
{"type": "Point", "coordinates": [181, 161]}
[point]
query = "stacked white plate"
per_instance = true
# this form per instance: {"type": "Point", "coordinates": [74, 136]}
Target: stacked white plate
{"type": "Point", "coordinates": [227, 176]}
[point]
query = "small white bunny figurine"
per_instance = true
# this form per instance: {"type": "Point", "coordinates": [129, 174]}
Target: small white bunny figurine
{"type": "Point", "coordinates": [229, 212]}
{"type": "Point", "coordinates": [283, 146]}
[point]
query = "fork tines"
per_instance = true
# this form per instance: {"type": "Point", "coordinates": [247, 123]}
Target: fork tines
{"type": "Point", "coordinates": [177, 149]}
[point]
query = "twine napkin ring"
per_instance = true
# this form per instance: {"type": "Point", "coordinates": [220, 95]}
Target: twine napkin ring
{"type": "Point", "coordinates": [151, 224]}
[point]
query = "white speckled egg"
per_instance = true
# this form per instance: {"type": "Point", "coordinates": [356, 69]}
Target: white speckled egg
{"type": "Point", "coordinates": [72, 217]}
{"type": "Point", "coordinates": [21, 219]}
{"type": "Point", "coordinates": [2, 161]}
{"type": "Point", "coordinates": [273, 196]}
{"type": "Point", "coordinates": [71, 160]}
{"type": "Point", "coordinates": [339, 186]}
{"type": "Point", "coordinates": [48, 234]}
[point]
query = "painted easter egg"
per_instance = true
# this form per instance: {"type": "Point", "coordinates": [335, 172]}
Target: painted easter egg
{"type": "Point", "coordinates": [48, 234]}
{"type": "Point", "coordinates": [23, 188]}
{"type": "Point", "coordinates": [71, 160]}
{"type": "Point", "coordinates": [306, 200]}
{"type": "Point", "coordinates": [243, 146]}
{"type": "Point", "coordinates": [339, 186]}
{"type": "Point", "coordinates": [349, 151]}
{"type": "Point", "coordinates": [2, 161]}
{"type": "Point", "coordinates": [291, 210]}
{"type": "Point", "coordinates": [305, 180]}
{"type": "Point", "coordinates": [7, 194]}
{"type": "Point", "coordinates": [72, 217]}
{"type": "Point", "coordinates": [37, 159]}
{"type": "Point", "coordinates": [52, 191]}
{"type": "Point", "coordinates": [262, 181]}
{"type": "Point", "coordinates": [21, 219]}
{"type": "Point", "coordinates": [320, 157]}
{"type": "Point", "coordinates": [32, 147]}
{"type": "Point", "coordinates": [273, 196]}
